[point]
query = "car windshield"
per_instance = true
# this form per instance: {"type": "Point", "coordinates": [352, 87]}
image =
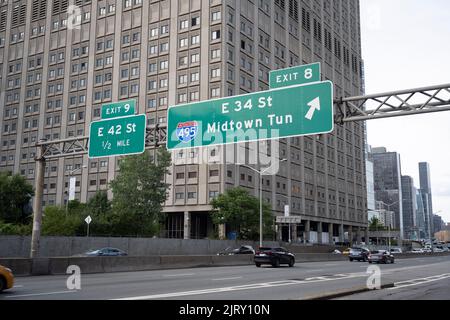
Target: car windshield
{"type": "Point", "coordinates": [265, 249]}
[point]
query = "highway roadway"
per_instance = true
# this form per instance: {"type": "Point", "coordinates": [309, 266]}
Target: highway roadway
{"type": "Point", "coordinates": [418, 278]}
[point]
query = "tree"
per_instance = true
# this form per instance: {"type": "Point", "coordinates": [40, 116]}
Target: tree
{"type": "Point", "coordinates": [99, 205]}
{"type": "Point", "coordinates": [375, 224]}
{"type": "Point", "coordinates": [240, 211]}
{"type": "Point", "coordinates": [139, 192]}
{"type": "Point", "coordinates": [15, 196]}
{"type": "Point", "coordinates": [99, 208]}
{"type": "Point", "coordinates": [57, 222]}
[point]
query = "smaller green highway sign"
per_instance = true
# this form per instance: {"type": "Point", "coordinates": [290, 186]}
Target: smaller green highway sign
{"type": "Point", "coordinates": [119, 109]}
{"type": "Point", "coordinates": [277, 113]}
{"type": "Point", "coordinates": [117, 137]}
{"type": "Point", "coordinates": [295, 76]}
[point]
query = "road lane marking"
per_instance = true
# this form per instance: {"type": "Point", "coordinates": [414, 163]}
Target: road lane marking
{"type": "Point", "coordinates": [19, 286]}
{"type": "Point", "coordinates": [243, 287]}
{"type": "Point", "coordinates": [178, 275]}
{"type": "Point", "coordinates": [223, 279]}
{"type": "Point", "coordinates": [419, 281]}
{"type": "Point", "coordinates": [40, 294]}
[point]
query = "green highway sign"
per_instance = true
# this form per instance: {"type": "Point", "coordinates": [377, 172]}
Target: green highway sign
{"type": "Point", "coordinates": [295, 76]}
{"type": "Point", "coordinates": [117, 137]}
{"type": "Point", "coordinates": [119, 109]}
{"type": "Point", "coordinates": [278, 113]}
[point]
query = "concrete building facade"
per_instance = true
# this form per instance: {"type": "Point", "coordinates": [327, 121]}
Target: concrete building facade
{"type": "Point", "coordinates": [59, 64]}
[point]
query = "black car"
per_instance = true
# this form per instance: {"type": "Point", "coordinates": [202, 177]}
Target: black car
{"type": "Point", "coordinates": [381, 256]}
{"type": "Point", "coordinates": [241, 250]}
{"type": "Point", "coordinates": [105, 252]}
{"type": "Point", "coordinates": [360, 254]}
{"type": "Point", "coordinates": [274, 257]}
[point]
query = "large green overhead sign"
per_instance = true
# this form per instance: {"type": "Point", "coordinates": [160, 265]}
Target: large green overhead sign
{"type": "Point", "coordinates": [120, 134]}
{"type": "Point", "coordinates": [295, 76]}
{"type": "Point", "coordinates": [278, 113]}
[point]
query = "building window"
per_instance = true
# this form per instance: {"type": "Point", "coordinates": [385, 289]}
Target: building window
{"type": "Point", "coordinates": [215, 35]}
{"type": "Point", "coordinates": [213, 194]}
{"type": "Point", "coordinates": [216, 16]}
{"type": "Point", "coordinates": [180, 175]}
{"type": "Point", "coordinates": [214, 173]}
{"type": "Point", "coordinates": [192, 195]}
{"type": "Point", "coordinates": [195, 21]}
{"type": "Point", "coordinates": [179, 196]}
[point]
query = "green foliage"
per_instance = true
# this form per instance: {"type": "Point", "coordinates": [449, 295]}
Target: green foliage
{"type": "Point", "coordinates": [240, 211]}
{"type": "Point", "coordinates": [376, 225]}
{"type": "Point", "coordinates": [139, 193]}
{"type": "Point", "coordinates": [58, 222]}
{"type": "Point", "coordinates": [9, 229]}
{"type": "Point", "coordinates": [15, 196]}
{"type": "Point", "coordinates": [99, 208]}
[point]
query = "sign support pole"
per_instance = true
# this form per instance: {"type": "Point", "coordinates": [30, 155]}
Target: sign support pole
{"type": "Point", "coordinates": [37, 202]}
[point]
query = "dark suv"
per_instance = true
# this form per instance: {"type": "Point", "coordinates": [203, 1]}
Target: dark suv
{"type": "Point", "coordinates": [274, 257]}
{"type": "Point", "coordinates": [360, 254]}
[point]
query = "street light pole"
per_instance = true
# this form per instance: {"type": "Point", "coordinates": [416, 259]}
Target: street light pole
{"type": "Point", "coordinates": [289, 223]}
{"type": "Point", "coordinates": [261, 173]}
{"type": "Point", "coordinates": [390, 219]}
{"type": "Point", "coordinates": [260, 211]}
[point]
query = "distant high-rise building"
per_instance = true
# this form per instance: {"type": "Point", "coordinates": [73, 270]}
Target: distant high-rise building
{"type": "Point", "coordinates": [438, 223]}
{"type": "Point", "coordinates": [409, 208]}
{"type": "Point", "coordinates": [420, 216]}
{"type": "Point", "coordinates": [388, 184]}
{"type": "Point", "coordinates": [371, 206]}
{"type": "Point", "coordinates": [425, 190]}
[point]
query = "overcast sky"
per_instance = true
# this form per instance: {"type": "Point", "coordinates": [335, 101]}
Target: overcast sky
{"type": "Point", "coordinates": [406, 44]}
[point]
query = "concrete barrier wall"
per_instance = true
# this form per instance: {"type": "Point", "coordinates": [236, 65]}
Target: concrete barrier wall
{"type": "Point", "coordinates": [19, 247]}
{"type": "Point", "coordinates": [89, 265]}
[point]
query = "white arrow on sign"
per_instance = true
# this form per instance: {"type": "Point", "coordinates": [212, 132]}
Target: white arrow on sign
{"type": "Point", "coordinates": [314, 105]}
{"type": "Point", "coordinates": [88, 220]}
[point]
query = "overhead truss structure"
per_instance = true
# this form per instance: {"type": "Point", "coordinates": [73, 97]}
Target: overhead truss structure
{"type": "Point", "coordinates": [155, 136]}
{"type": "Point", "coordinates": [393, 104]}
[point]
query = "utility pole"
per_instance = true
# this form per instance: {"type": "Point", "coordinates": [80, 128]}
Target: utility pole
{"type": "Point", "coordinates": [37, 203]}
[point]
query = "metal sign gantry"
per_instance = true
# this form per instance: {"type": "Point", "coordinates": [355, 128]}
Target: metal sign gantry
{"type": "Point", "coordinates": [351, 109]}
{"type": "Point", "coordinates": [393, 104]}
